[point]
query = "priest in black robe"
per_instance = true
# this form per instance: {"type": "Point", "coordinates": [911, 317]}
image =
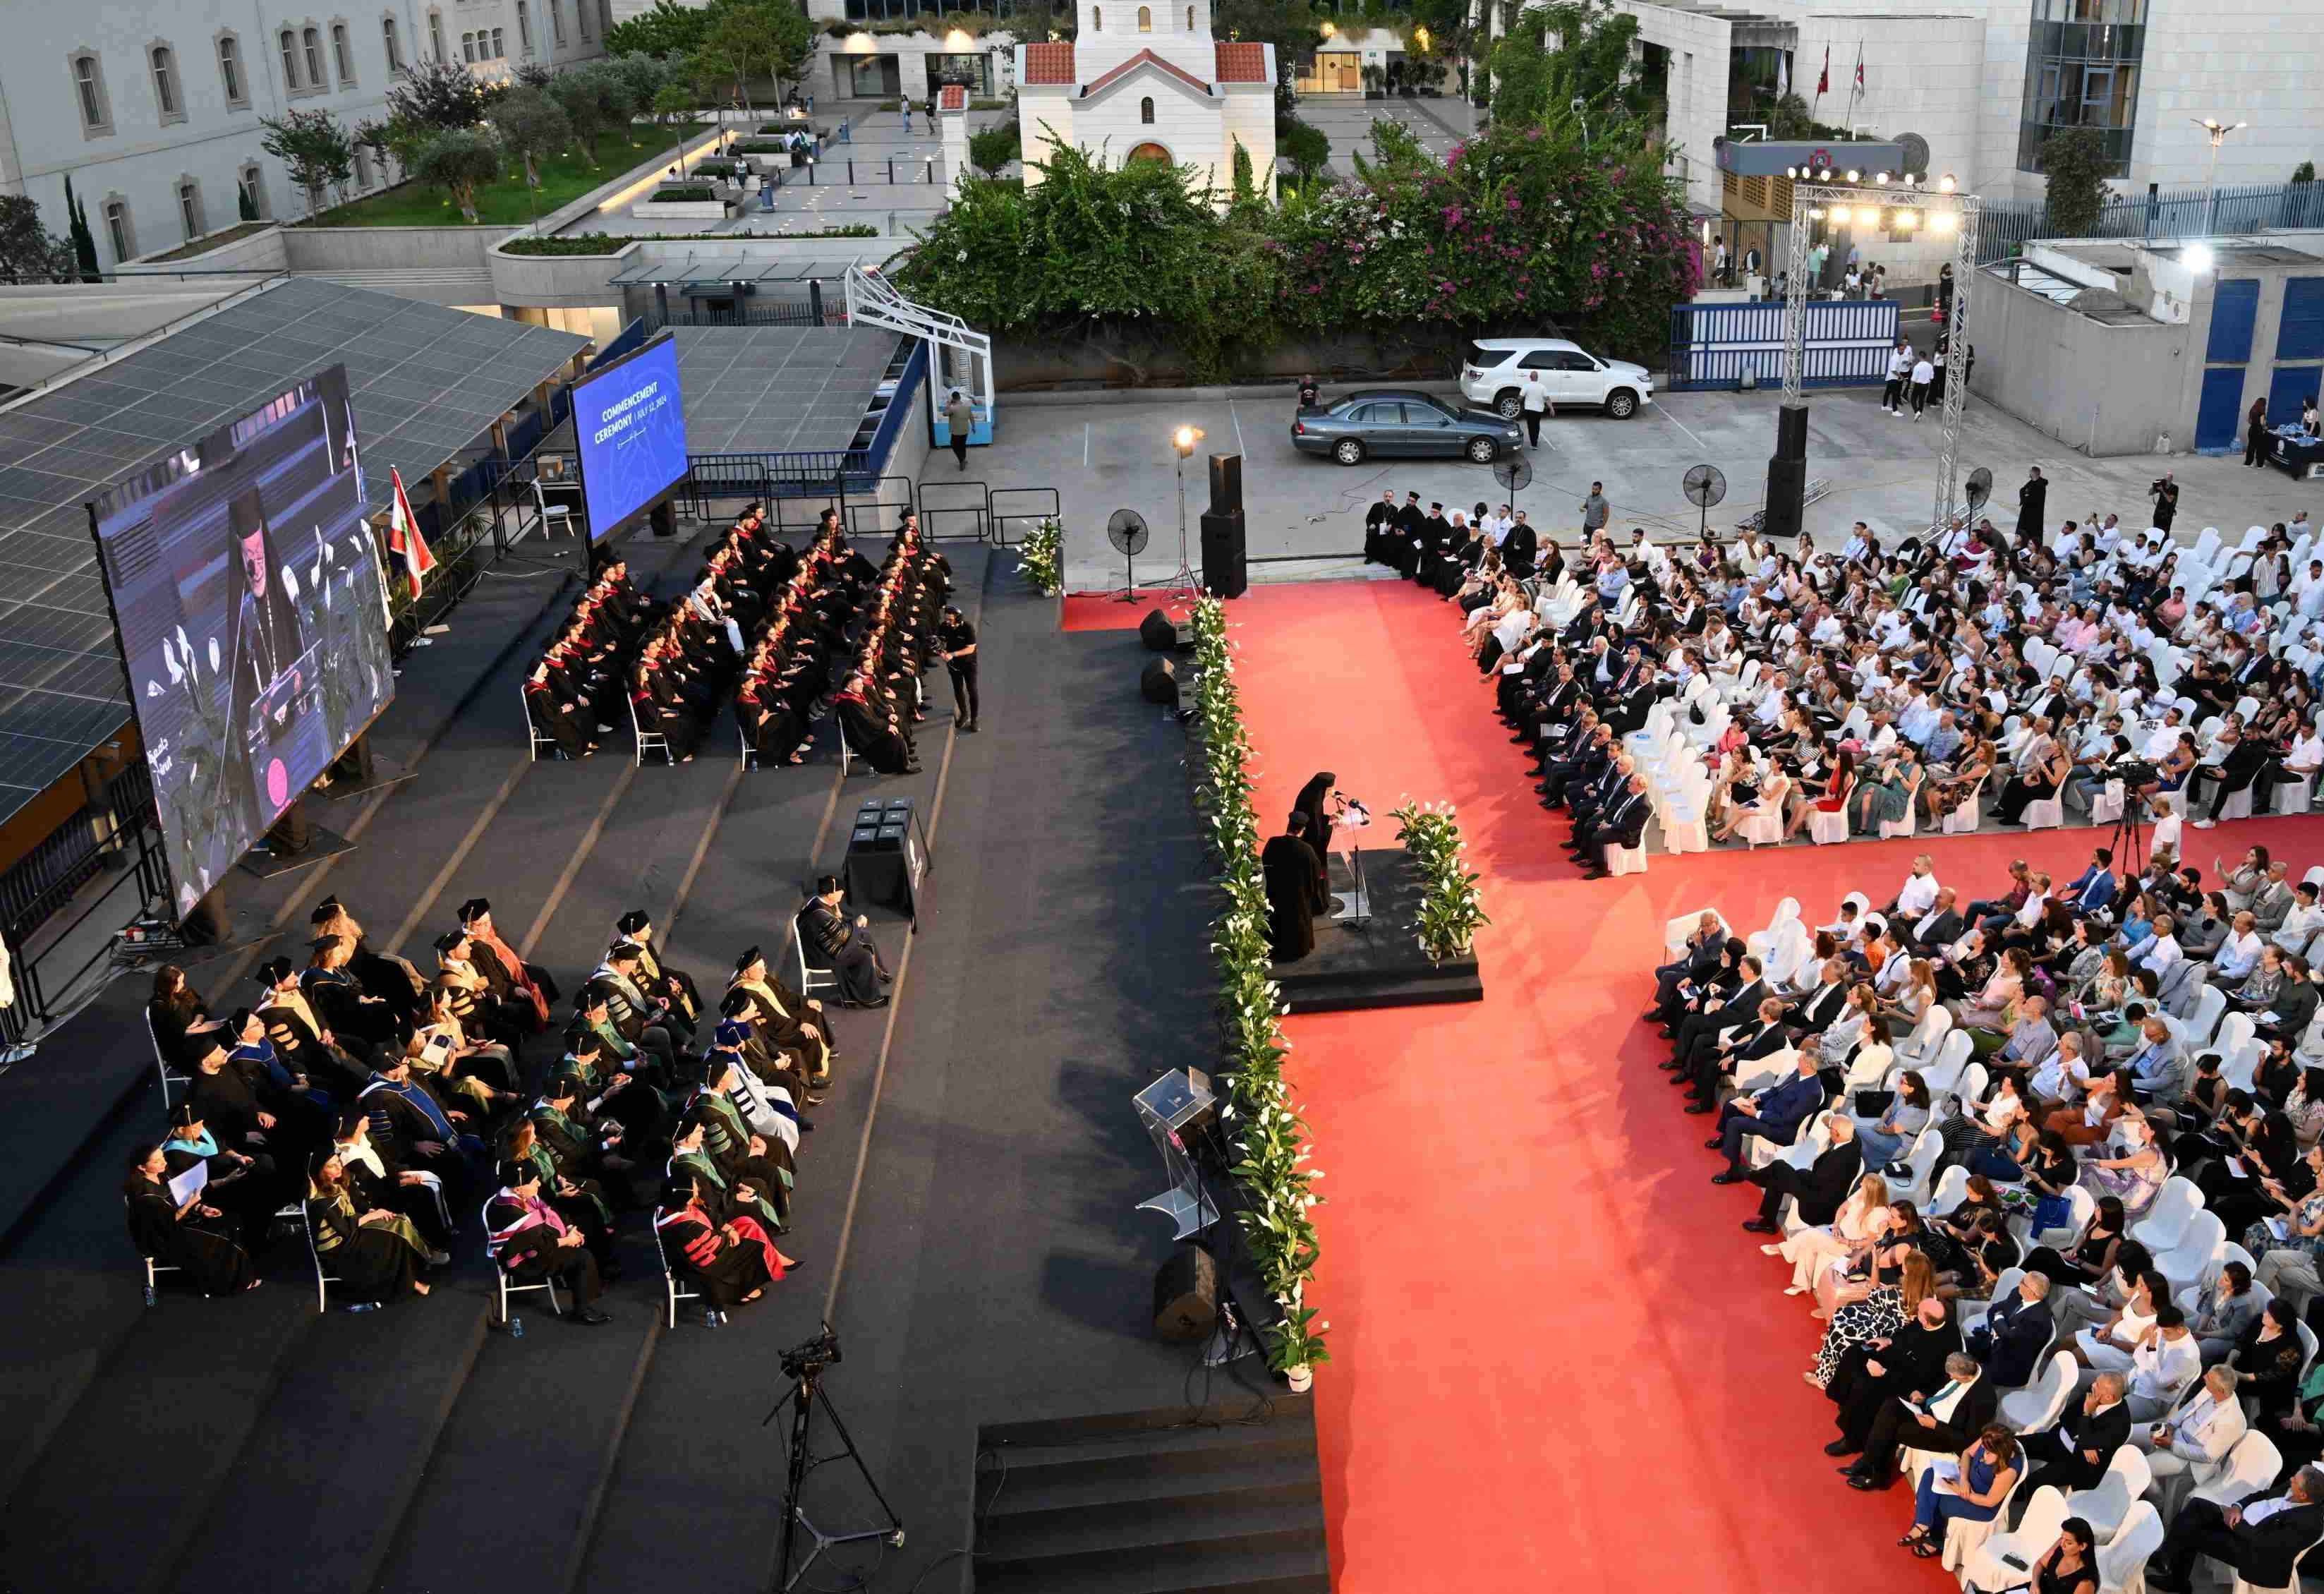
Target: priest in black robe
{"type": "Point", "coordinates": [1411, 529]}
{"type": "Point", "coordinates": [1294, 893]}
{"type": "Point", "coordinates": [1379, 530]}
{"type": "Point", "coordinates": [1311, 819]}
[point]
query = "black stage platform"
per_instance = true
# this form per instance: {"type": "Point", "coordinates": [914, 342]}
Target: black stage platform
{"type": "Point", "coordinates": [966, 1210]}
{"type": "Point", "coordinates": [1378, 964]}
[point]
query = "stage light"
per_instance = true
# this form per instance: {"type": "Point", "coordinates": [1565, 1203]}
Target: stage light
{"type": "Point", "coordinates": [1945, 221]}
{"type": "Point", "coordinates": [1815, 213]}
{"type": "Point", "coordinates": [1841, 215]}
{"type": "Point", "coordinates": [1854, 175]}
{"type": "Point", "coordinates": [1185, 437]}
{"type": "Point", "coordinates": [2199, 257]}
{"type": "Point", "coordinates": [1905, 220]}
{"type": "Point", "coordinates": [1791, 173]}
{"type": "Point", "coordinates": [1880, 177]}
{"type": "Point", "coordinates": [1945, 183]}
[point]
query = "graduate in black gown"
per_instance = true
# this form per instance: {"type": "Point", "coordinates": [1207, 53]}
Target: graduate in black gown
{"type": "Point", "coordinates": [1294, 893]}
{"type": "Point", "coordinates": [186, 1235]}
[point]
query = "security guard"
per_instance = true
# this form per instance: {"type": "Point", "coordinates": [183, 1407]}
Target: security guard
{"type": "Point", "coordinates": [956, 640]}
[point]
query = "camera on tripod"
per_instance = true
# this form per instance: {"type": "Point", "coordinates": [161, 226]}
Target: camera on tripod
{"type": "Point", "coordinates": [806, 1360]}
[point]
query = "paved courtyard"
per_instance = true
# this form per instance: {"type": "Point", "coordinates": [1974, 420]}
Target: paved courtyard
{"type": "Point", "coordinates": [1103, 455]}
{"type": "Point", "coordinates": [1346, 119]}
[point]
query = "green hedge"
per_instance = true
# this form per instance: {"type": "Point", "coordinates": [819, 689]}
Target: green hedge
{"type": "Point", "coordinates": [1270, 1137]}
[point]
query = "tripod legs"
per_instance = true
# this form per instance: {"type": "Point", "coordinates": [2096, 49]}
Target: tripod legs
{"type": "Point", "coordinates": [804, 1397]}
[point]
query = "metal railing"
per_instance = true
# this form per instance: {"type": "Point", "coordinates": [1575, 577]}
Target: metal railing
{"type": "Point", "coordinates": [1011, 511]}
{"type": "Point", "coordinates": [1846, 344]}
{"type": "Point", "coordinates": [955, 509]}
{"type": "Point", "coordinates": [121, 830]}
{"type": "Point", "coordinates": [2006, 226]}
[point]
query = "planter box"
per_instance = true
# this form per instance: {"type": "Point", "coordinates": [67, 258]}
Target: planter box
{"type": "Point", "coordinates": [683, 209]}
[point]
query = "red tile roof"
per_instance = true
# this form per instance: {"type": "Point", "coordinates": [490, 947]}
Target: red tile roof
{"type": "Point", "coordinates": [1142, 59]}
{"type": "Point", "coordinates": [1049, 63]}
{"type": "Point", "coordinates": [952, 97]}
{"type": "Point", "coordinates": [1241, 63]}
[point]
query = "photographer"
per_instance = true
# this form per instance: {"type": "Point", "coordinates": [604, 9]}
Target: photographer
{"type": "Point", "coordinates": [2165, 494]}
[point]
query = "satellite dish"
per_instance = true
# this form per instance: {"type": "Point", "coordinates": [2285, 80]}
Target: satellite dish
{"type": "Point", "coordinates": [1127, 531]}
{"type": "Point", "coordinates": [1705, 484]}
{"type": "Point", "coordinates": [1514, 473]}
{"type": "Point", "coordinates": [1979, 488]}
{"type": "Point", "coordinates": [1916, 153]}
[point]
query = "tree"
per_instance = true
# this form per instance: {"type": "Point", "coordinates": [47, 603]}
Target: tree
{"type": "Point", "coordinates": [742, 41]}
{"type": "Point", "coordinates": [794, 42]}
{"type": "Point", "coordinates": [531, 125]}
{"type": "Point", "coordinates": [29, 251]}
{"type": "Point", "coordinates": [673, 103]}
{"type": "Point", "coordinates": [668, 30]}
{"type": "Point", "coordinates": [84, 242]}
{"type": "Point", "coordinates": [440, 96]}
{"type": "Point", "coordinates": [1561, 54]}
{"type": "Point", "coordinates": [1292, 26]}
{"type": "Point", "coordinates": [1302, 144]}
{"type": "Point", "coordinates": [581, 94]}
{"type": "Point", "coordinates": [320, 152]}
{"type": "Point", "coordinates": [991, 149]}
{"type": "Point", "coordinates": [2304, 172]}
{"type": "Point", "coordinates": [457, 161]}
{"type": "Point", "coordinates": [2074, 159]}
{"type": "Point", "coordinates": [641, 79]}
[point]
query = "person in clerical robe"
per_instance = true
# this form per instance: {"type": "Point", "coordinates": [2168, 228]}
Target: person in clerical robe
{"type": "Point", "coordinates": [1311, 812]}
{"type": "Point", "coordinates": [1296, 893]}
{"type": "Point", "coordinates": [1379, 530]}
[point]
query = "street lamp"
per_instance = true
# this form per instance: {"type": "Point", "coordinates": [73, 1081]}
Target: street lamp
{"type": "Point", "coordinates": [1420, 37]}
{"type": "Point", "coordinates": [1184, 440]}
{"type": "Point", "coordinates": [2217, 132]}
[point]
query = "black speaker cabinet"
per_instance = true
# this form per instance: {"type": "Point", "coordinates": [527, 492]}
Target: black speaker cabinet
{"type": "Point", "coordinates": [1226, 484]}
{"type": "Point", "coordinates": [1157, 632]}
{"type": "Point", "coordinates": [1159, 683]}
{"type": "Point", "coordinates": [1226, 570]}
{"type": "Point", "coordinates": [1187, 1295]}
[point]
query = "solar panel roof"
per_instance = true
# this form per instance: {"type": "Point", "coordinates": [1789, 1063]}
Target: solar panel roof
{"type": "Point", "coordinates": [425, 380]}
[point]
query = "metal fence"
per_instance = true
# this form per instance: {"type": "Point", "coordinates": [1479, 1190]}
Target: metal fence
{"type": "Point", "coordinates": [816, 310]}
{"type": "Point", "coordinates": [2006, 226]}
{"type": "Point", "coordinates": [1713, 345]}
{"type": "Point", "coordinates": [118, 831]}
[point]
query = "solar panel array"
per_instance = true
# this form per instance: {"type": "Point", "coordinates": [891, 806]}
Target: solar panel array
{"type": "Point", "coordinates": [752, 390]}
{"type": "Point", "coordinates": [427, 381]}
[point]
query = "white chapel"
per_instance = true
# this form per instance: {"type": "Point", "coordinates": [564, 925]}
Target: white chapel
{"type": "Point", "coordinates": [1146, 81]}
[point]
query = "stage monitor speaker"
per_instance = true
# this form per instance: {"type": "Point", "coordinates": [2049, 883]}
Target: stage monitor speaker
{"type": "Point", "coordinates": [1158, 632]}
{"type": "Point", "coordinates": [1226, 484]}
{"type": "Point", "coordinates": [1187, 1295]}
{"type": "Point", "coordinates": [1159, 683]}
{"type": "Point", "coordinates": [1226, 569]}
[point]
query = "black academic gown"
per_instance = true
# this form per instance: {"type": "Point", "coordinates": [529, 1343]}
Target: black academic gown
{"type": "Point", "coordinates": [207, 1259]}
{"type": "Point", "coordinates": [1295, 895]}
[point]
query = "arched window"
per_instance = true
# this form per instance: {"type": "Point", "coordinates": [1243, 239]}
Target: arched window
{"type": "Point", "coordinates": [165, 82]}
{"type": "Point", "coordinates": [435, 33]}
{"type": "Point", "coordinates": [1097, 19]}
{"type": "Point", "coordinates": [1148, 151]}
{"type": "Point", "coordinates": [394, 46]}
{"type": "Point", "coordinates": [343, 53]}
{"type": "Point", "coordinates": [1145, 19]}
{"type": "Point", "coordinates": [1145, 111]}
{"type": "Point", "coordinates": [89, 93]}
{"type": "Point", "coordinates": [190, 208]}
{"type": "Point", "coordinates": [468, 47]}
{"type": "Point", "coordinates": [524, 26]}
{"type": "Point", "coordinates": [289, 60]}
{"type": "Point", "coordinates": [1190, 19]}
{"type": "Point", "coordinates": [312, 39]}
{"type": "Point", "coordinates": [229, 50]}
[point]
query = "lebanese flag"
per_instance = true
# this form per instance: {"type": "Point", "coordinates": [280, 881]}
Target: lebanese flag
{"type": "Point", "coordinates": [1859, 67]}
{"type": "Point", "coordinates": [403, 538]}
{"type": "Point", "coordinates": [1823, 79]}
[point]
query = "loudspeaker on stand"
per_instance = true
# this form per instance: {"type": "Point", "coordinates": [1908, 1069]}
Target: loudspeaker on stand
{"type": "Point", "coordinates": [1187, 1295]}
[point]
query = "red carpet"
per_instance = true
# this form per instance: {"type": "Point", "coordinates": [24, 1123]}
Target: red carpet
{"type": "Point", "coordinates": [1097, 612]}
{"type": "Point", "coordinates": [1557, 1361]}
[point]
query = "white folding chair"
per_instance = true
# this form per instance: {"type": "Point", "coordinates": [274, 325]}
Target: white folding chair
{"type": "Point", "coordinates": [1675, 933]}
{"type": "Point", "coordinates": [674, 1290]}
{"type": "Point", "coordinates": [1965, 819]}
{"type": "Point", "coordinates": [171, 1081]}
{"type": "Point", "coordinates": [2252, 1466]}
{"type": "Point", "coordinates": [508, 1286]}
{"type": "Point", "coordinates": [2105, 1505]}
{"type": "Point", "coordinates": [811, 979]}
{"type": "Point", "coordinates": [2174, 1207]}
{"type": "Point", "coordinates": [324, 1278]}
{"type": "Point", "coordinates": [2037, 1405]}
{"type": "Point", "coordinates": [1987, 1572]}
{"type": "Point", "coordinates": [647, 740]}
{"type": "Point", "coordinates": [539, 740]}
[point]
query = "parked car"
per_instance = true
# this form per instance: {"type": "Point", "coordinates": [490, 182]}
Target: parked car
{"type": "Point", "coordinates": [1493, 375]}
{"type": "Point", "coordinates": [1399, 424]}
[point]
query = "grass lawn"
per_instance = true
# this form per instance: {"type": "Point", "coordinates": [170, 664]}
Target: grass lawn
{"type": "Point", "coordinates": [563, 179]}
{"type": "Point", "coordinates": [214, 241]}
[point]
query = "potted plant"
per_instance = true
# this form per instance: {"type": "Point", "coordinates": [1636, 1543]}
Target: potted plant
{"type": "Point", "coordinates": [1375, 78]}
{"type": "Point", "coordinates": [1452, 909]}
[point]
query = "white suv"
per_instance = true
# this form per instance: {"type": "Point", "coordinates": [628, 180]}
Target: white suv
{"type": "Point", "coordinates": [1492, 377]}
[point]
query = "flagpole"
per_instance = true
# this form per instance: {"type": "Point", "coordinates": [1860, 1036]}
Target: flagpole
{"type": "Point", "coordinates": [1856, 86]}
{"type": "Point", "coordinates": [1823, 82]}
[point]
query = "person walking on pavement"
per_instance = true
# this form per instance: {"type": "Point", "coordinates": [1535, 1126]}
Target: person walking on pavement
{"type": "Point", "coordinates": [960, 419]}
{"type": "Point", "coordinates": [1536, 398]}
{"type": "Point", "coordinates": [1924, 376]}
{"type": "Point", "coordinates": [957, 644]}
{"type": "Point", "coordinates": [1900, 369]}
{"type": "Point", "coordinates": [1595, 511]}
{"type": "Point", "coordinates": [2256, 439]}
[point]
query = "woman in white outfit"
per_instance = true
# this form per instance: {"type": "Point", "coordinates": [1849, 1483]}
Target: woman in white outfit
{"type": "Point", "coordinates": [1862, 1215]}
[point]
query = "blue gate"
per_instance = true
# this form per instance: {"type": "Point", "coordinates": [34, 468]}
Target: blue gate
{"type": "Point", "coordinates": [1711, 345]}
{"type": "Point", "coordinates": [2218, 418]}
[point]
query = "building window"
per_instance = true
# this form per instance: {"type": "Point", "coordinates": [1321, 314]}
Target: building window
{"type": "Point", "coordinates": [556, 20]}
{"type": "Point", "coordinates": [363, 167]}
{"type": "Point", "coordinates": [165, 83]}
{"type": "Point", "coordinates": [581, 15]}
{"type": "Point", "coordinates": [523, 27]}
{"type": "Point", "coordinates": [290, 61]}
{"type": "Point", "coordinates": [1145, 111]}
{"type": "Point", "coordinates": [1097, 19]}
{"type": "Point", "coordinates": [394, 46]}
{"type": "Point", "coordinates": [468, 47]}
{"type": "Point", "coordinates": [313, 41]}
{"type": "Point", "coordinates": [1145, 19]}
{"type": "Point", "coordinates": [89, 93]}
{"type": "Point", "coordinates": [604, 14]}
{"type": "Point", "coordinates": [2082, 59]}
{"type": "Point", "coordinates": [190, 207]}
{"type": "Point", "coordinates": [500, 51]}
{"type": "Point", "coordinates": [1190, 19]}
{"type": "Point", "coordinates": [249, 192]}
{"type": "Point", "coordinates": [435, 33]}
{"type": "Point", "coordinates": [119, 232]}
{"type": "Point", "coordinates": [343, 55]}
{"type": "Point", "coordinates": [230, 51]}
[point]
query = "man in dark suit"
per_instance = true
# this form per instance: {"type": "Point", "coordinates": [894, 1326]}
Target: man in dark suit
{"type": "Point", "coordinates": [1949, 1421]}
{"type": "Point", "coordinates": [1814, 1013]}
{"type": "Point", "coordinates": [1578, 766]}
{"type": "Point", "coordinates": [2094, 889]}
{"type": "Point", "coordinates": [2259, 1540]}
{"type": "Point", "coordinates": [2011, 1339]}
{"type": "Point", "coordinates": [2074, 1454]}
{"type": "Point", "coordinates": [1622, 822]}
{"type": "Point", "coordinates": [1936, 929]}
{"type": "Point", "coordinates": [1758, 1039]}
{"type": "Point", "coordinates": [1708, 1014]}
{"type": "Point", "coordinates": [1773, 1114]}
{"type": "Point", "coordinates": [1694, 961]}
{"type": "Point", "coordinates": [1821, 1188]}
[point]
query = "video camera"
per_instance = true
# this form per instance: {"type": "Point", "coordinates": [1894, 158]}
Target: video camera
{"type": "Point", "coordinates": [805, 1360]}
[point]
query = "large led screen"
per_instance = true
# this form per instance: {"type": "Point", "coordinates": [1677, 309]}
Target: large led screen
{"type": "Point", "coordinates": [247, 589]}
{"type": "Point", "coordinates": [629, 426]}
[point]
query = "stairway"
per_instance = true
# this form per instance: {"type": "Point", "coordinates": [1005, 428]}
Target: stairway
{"type": "Point", "coordinates": [1176, 1501]}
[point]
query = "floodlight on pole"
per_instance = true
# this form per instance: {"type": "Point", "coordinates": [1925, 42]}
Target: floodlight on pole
{"type": "Point", "coordinates": [2217, 131]}
{"type": "Point", "coordinates": [1183, 580]}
